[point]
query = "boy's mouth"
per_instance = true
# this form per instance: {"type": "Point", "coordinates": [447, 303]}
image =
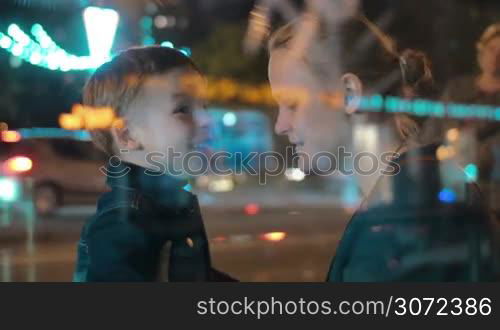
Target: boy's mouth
{"type": "Point", "coordinates": [202, 139]}
{"type": "Point", "coordinates": [197, 145]}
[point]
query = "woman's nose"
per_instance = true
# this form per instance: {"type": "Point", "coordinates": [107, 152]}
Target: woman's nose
{"type": "Point", "coordinates": [283, 123]}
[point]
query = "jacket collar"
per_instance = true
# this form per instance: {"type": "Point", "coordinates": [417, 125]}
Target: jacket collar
{"type": "Point", "coordinates": [161, 187]}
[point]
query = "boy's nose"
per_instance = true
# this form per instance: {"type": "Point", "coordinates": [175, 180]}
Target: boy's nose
{"type": "Point", "coordinates": [202, 122]}
{"type": "Point", "coordinates": [202, 119]}
{"type": "Point", "coordinates": [283, 123]}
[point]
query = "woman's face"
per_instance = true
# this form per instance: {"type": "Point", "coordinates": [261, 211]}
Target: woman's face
{"type": "Point", "coordinates": [310, 123]}
{"type": "Point", "coordinates": [489, 57]}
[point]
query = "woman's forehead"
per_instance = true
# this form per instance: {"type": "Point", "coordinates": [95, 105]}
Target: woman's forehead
{"type": "Point", "coordinates": [288, 72]}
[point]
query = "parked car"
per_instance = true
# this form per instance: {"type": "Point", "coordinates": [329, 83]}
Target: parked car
{"type": "Point", "coordinates": [51, 168]}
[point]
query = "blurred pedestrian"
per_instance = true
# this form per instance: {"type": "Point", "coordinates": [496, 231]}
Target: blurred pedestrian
{"type": "Point", "coordinates": [482, 138]}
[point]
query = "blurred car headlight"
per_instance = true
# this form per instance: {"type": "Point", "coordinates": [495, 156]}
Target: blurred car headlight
{"type": "Point", "coordinates": [18, 165]}
{"type": "Point", "coordinates": [221, 185]}
{"type": "Point", "coordinates": [9, 190]}
{"type": "Point", "coordinates": [295, 174]}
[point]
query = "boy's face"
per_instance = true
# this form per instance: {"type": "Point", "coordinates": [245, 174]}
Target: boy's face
{"type": "Point", "coordinates": [164, 120]}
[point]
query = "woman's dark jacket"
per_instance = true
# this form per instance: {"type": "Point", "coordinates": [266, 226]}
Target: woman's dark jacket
{"type": "Point", "coordinates": [426, 232]}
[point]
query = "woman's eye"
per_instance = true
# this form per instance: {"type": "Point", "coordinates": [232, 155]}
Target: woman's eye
{"type": "Point", "coordinates": [292, 106]}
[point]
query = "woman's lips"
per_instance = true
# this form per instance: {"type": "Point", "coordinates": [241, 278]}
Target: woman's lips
{"type": "Point", "coordinates": [299, 147]}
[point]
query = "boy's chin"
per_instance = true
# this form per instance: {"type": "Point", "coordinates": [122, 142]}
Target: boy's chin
{"type": "Point", "coordinates": [183, 176]}
{"type": "Point", "coordinates": [184, 170]}
{"type": "Point", "coordinates": [177, 171]}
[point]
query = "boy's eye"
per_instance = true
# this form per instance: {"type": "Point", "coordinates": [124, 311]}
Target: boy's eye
{"type": "Point", "coordinates": [184, 109]}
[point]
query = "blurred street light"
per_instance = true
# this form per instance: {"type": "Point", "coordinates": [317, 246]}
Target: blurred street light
{"type": "Point", "coordinates": [444, 153]}
{"type": "Point", "coordinates": [472, 172]}
{"type": "Point", "coordinates": [447, 196]}
{"type": "Point", "coordinates": [161, 22]}
{"type": "Point", "coordinates": [9, 189]}
{"type": "Point", "coordinates": [452, 135]}
{"type": "Point", "coordinates": [101, 25]}
{"type": "Point", "coordinates": [10, 136]}
{"type": "Point", "coordinates": [229, 119]}
{"type": "Point", "coordinates": [252, 209]}
{"type": "Point", "coordinates": [274, 236]}
{"type": "Point", "coordinates": [167, 44]}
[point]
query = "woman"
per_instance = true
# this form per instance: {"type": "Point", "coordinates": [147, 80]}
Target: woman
{"type": "Point", "coordinates": [411, 234]}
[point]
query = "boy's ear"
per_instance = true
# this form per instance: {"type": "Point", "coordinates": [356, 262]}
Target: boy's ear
{"type": "Point", "coordinates": [353, 91]}
{"type": "Point", "coordinates": [123, 138]}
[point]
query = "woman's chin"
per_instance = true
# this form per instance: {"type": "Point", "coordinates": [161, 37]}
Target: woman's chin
{"type": "Point", "coordinates": [304, 164]}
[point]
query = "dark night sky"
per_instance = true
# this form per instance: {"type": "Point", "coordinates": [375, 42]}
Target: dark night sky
{"type": "Point", "coordinates": [37, 95]}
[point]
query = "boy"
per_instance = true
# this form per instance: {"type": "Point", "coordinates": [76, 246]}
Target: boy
{"type": "Point", "coordinates": [147, 228]}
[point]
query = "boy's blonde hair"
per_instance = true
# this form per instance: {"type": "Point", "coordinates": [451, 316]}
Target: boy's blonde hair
{"type": "Point", "coordinates": [117, 83]}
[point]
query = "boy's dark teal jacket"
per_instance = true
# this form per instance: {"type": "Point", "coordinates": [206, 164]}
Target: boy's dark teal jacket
{"type": "Point", "coordinates": [147, 228]}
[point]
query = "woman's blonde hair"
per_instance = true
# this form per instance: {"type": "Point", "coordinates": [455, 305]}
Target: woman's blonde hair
{"type": "Point", "coordinates": [406, 73]}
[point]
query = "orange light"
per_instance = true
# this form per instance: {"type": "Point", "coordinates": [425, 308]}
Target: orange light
{"type": "Point", "coordinates": [219, 239]}
{"type": "Point", "coordinates": [70, 121]}
{"type": "Point", "coordinates": [11, 136]}
{"type": "Point", "coordinates": [19, 164]}
{"type": "Point", "coordinates": [251, 94]}
{"type": "Point", "coordinates": [89, 118]}
{"type": "Point", "coordinates": [444, 153]}
{"type": "Point", "coordinates": [274, 236]}
{"type": "Point", "coordinates": [227, 89]}
{"type": "Point", "coordinates": [119, 123]}
{"type": "Point", "coordinates": [453, 134]}
{"type": "Point", "coordinates": [78, 110]}
{"type": "Point", "coordinates": [252, 209]}
{"type": "Point", "coordinates": [99, 118]}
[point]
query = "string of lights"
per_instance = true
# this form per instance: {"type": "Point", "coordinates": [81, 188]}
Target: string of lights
{"type": "Point", "coordinates": [227, 91]}
{"type": "Point", "coordinates": [428, 108]}
{"type": "Point", "coordinates": [101, 25]}
{"type": "Point", "coordinates": [44, 52]}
